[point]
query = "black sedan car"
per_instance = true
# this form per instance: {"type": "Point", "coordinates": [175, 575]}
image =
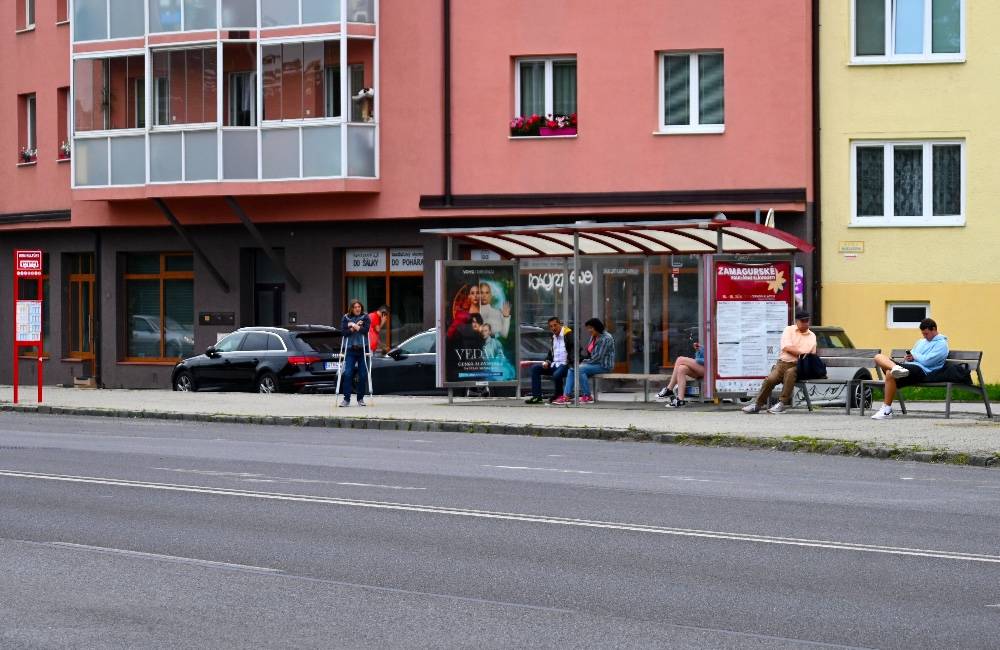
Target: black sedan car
{"type": "Point", "coordinates": [266, 359]}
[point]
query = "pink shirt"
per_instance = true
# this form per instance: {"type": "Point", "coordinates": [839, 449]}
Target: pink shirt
{"type": "Point", "coordinates": [802, 343]}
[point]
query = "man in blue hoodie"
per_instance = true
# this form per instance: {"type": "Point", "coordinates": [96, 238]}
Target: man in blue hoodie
{"type": "Point", "coordinates": [926, 358]}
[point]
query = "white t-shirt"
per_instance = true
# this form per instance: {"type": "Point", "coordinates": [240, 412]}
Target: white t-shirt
{"type": "Point", "coordinates": [558, 350]}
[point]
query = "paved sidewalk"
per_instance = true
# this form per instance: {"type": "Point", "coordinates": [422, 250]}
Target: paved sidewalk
{"type": "Point", "coordinates": [924, 434]}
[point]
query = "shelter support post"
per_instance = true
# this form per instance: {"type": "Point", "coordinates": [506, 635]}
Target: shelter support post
{"type": "Point", "coordinates": [576, 316]}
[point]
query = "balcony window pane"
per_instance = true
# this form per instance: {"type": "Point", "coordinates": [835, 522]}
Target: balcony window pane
{"type": "Point", "coordinates": [184, 86]}
{"type": "Point", "coordinates": [291, 81]}
{"type": "Point", "coordinates": [275, 13]}
{"type": "Point", "coordinates": [164, 157]}
{"type": "Point", "coordinates": [532, 88]}
{"type": "Point", "coordinates": [947, 180]}
{"type": "Point", "coordinates": [199, 14]}
{"type": "Point", "coordinates": [239, 13]}
{"type": "Point", "coordinates": [677, 87]}
{"type": "Point", "coordinates": [91, 157]}
{"type": "Point", "coordinates": [201, 156]}
{"type": "Point", "coordinates": [361, 151]}
{"type": "Point", "coordinates": [320, 11]}
{"type": "Point", "coordinates": [331, 90]}
{"type": "Point", "coordinates": [869, 28]}
{"type": "Point", "coordinates": [909, 26]}
{"type": "Point", "coordinates": [711, 89]}
{"type": "Point", "coordinates": [871, 181]}
{"type": "Point", "coordinates": [128, 18]}
{"type": "Point", "coordinates": [946, 30]}
{"type": "Point", "coordinates": [313, 80]}
{"type": "Point", "coordinates": [90, 20]}
{"type": "Point", "coordinates": [239, 154]}
{"type": "Point", "coordinates": [240, 70]}
{"type": "Point", "coordinates": [164, 16]}
{"type": "Point", "coordinates": [271, 80]}
{"type": "Point", "coordinates": [563, 87]}
{"type": "Point", "coordinates": [908, 181]}
{"type": "Point", "coordinates": [122, 100]}
{"type": "Point", "coordinates": [280, 157]}
{"type": "Point", "coordinates": [360, 11]}
{"type": "Point", "coordinates": [128, 160]}
{"type": "Point", "coordinates": [321, 151]}
{"type": "Point", "coordinates": [88, 84]}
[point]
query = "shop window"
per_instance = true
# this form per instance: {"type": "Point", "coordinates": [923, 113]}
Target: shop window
{"type": "Point", "coordinates": [159, 307]}
{"type": "Point", "coordinates": [79, 313]}
{"type": "Point", "coordinates": [692, 93]}
{"type": "Point", "coordinates": [184, 86]}
{"type": "Point", "coordinates": [393, 277]}
{"type": "Point", "coordinates": [27, 289]}
{"type": "Point", "coordinates": [906, 315]}
{"type": "Point", "coordinates": [908, 31]}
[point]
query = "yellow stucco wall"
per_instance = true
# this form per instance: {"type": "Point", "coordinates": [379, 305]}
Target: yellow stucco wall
{"type": "Point", "coordinates": [956, 269]}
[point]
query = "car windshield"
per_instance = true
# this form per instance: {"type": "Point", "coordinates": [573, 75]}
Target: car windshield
{"type": "Point", "coordinates": [419, 344]}
{"type": "Point", "coordinates": [319, 342]}
{"type": "Point", "coordinates": [833, 339]}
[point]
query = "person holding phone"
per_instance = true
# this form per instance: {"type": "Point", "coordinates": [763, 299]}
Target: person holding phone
{"type": "Point", "coordinates": [684, 369]}
{"type": "Point", "coordinates": [927, 357]}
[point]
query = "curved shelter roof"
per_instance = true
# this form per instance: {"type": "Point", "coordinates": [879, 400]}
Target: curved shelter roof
{"type": "Point", "coordinates": [630, 238]}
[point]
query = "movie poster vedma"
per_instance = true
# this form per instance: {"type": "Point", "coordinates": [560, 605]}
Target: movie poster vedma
{"type": "Point", "coordinates": [480, 323]}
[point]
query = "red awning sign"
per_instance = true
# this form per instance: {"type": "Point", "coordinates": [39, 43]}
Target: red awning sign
{"type": "Point", "coordinates": [28, 264]}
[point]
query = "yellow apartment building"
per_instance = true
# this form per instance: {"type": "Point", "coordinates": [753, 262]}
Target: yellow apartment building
{"type": "Point", "coordinates": [910, 171]}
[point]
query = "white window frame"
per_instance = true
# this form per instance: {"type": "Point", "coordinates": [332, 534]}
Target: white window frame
{"type": "Point", "coordinates": [549, 91]}
{"type": "Point", "coordinates": [889, 219]}
{"type": "Point", "coordinates": [31, 121]}
{"type": "Point", "coordinates": [890, 57]}
{"type": "Point", "coordinates": [894, 324]}
{"type": "Point", "coordinates": [29, 14]}
{"type": "Point", "coordinates": [694, 96]}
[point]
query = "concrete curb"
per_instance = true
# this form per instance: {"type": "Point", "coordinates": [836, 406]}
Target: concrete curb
{"type": "Point", "coordinates": [830, 447]}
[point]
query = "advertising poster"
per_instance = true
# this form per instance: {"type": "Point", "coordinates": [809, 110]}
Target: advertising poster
{"type": "Point", "coordinates": [477, 327]}
{"type": "Point", "coordinates": [752, 309]}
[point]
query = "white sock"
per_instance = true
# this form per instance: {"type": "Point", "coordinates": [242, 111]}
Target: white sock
{"type": "Point", "coordinates": [886, 408]}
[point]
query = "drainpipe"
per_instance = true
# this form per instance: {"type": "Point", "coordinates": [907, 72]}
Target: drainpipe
{"type": "Point", "coordinates": [817, 308]}
{"type": "Point", "coordinates": [447, 103]}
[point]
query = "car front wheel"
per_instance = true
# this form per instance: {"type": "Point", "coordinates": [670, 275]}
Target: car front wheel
{"type": "Point", "coordinates": [267, 383]}
{"type": "Point", "coordinates": [184, 382]}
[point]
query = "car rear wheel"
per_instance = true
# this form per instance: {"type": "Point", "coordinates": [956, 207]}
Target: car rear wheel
{"type": "Point", "coordinates": [861, 395]}
{"type": "Point", "coordinates": [184, 382]}
{"type": "Point", "coordinates": [267, 383]}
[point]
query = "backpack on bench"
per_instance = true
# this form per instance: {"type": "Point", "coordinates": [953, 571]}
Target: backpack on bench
{"type": "Point", "coordinates": [955, 373]}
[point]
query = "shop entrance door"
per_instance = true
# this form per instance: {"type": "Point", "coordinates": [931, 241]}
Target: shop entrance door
{"type": "Point", "coordinates": [81, 308]}
{"type": "Point", "coordinates": [268, 290]}
{"type": "Point", "coordinates": [623, 318]}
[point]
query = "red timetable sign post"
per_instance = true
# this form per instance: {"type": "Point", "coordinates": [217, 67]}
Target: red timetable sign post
{"type": "Point", "coordinates": [28, 264]}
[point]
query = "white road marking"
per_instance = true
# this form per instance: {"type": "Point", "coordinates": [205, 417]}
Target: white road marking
{"type": "Point", "coordinates": [691, 478]}
{"type": "Point", "coordinates": [263, 478]}
{"type": "Point", "coordinates": [542, 469]}
{"type": "Point", "coordinates": [519, 517]}
{"type": "Point", "coordinates": [554, 455]}
{"type": "Point", "coordinates": [163, 558]}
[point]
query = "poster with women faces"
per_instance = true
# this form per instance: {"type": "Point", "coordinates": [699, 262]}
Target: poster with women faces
{"type": "Point", "coordinates": [477, 323]}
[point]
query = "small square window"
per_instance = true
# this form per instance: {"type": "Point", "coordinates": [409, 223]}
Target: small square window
{"type": "Point", "coordinates": [692, 92]}
{"type": "Point", "coordinates": [906, 315]}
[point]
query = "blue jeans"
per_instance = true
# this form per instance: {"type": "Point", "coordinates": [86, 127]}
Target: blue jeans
{"type": "Point", "coordinates": [354, 359]}
{"type": "Point", "coordinates": [558, 374]}
{"type": "Point", "coordinates": [587, 370]}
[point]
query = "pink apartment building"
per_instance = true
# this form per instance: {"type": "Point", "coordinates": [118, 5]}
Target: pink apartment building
{"type": "Point", "coordinates": [192, 166]}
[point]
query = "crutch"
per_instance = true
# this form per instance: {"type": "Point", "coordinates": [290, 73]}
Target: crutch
{"type": "Point", "coordinates": [369, 364]}
{"type": "Point", "coordinates": [340, 366]}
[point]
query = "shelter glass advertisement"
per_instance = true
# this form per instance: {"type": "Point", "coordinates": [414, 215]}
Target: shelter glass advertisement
{"type": "Point", "coordinates": [752, 309]}
{"type": "Point", "coordinates": [477, 325]}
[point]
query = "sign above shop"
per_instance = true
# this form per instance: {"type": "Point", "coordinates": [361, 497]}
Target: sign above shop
{"type": "Point", "coordinates": [364, 260]}
{"type": "Point", "coordinates": [406, 259]}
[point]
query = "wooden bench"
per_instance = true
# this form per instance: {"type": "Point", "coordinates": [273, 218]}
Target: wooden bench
{"type": "Point", "coordinates": [645, 378]}
{"type": "Point", "coordinates": [843, 358]}
{"type": "Point", "coordinates": [973, 358]}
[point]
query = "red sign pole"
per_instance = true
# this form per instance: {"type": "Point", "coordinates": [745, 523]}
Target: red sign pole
{"type": "Point", "coordinates": [28, 264]}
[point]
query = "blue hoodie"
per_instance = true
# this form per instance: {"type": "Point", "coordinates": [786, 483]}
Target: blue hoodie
{"type": "Point", "coordinates": [930, 355]}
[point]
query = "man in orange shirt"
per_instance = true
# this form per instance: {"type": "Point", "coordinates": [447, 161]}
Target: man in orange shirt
{"type": "Point", "coordinates": [796, 340]}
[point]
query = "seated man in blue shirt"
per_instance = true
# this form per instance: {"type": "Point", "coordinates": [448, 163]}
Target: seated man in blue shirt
{"type": "Point", "coordinates": [927, 357]}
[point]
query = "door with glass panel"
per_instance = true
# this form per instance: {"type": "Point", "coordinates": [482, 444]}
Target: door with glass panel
{"type": "Point", "coordinates": [80, 315]}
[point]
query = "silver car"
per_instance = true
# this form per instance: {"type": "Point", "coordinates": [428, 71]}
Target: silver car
{"type": "Point", "coordinates": [830, 336]}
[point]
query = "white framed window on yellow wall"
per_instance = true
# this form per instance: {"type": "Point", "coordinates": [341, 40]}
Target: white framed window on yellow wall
{"type": "Point", "coordinates": [908, 183]}
{"type": "Point", "coordinates": [907, 31]}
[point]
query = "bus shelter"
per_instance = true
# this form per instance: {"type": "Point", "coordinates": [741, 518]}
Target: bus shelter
{"type": "Point", "coordinates": [658, 285]}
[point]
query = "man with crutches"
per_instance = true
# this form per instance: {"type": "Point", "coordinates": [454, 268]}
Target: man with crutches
{"type": "Point", "coordinates": [355, 353]}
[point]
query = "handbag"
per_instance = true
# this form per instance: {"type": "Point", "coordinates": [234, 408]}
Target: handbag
{"type": "Point", "coordinates": [810, 366]}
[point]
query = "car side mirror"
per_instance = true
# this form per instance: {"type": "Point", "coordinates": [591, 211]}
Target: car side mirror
{"type": "Point", "coordinates": [396, 354]}
{"type": "Point", "coordinates": [210, 351]}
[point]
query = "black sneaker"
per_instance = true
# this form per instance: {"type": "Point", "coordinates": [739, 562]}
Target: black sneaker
{"type": "Point", "coordinates": [665, 393]}
{"type": "Point", "coordinates": [534, 400]}
{"type": "Point", "coordinates": [676, 403]}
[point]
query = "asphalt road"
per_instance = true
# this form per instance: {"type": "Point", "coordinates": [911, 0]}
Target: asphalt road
{"type": "Point", "coordinates": [151, 533]}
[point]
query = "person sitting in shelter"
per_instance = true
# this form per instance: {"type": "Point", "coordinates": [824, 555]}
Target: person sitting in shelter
{"type": "Point", "coordinates": [557, 362]}
{"type": "Point", "coordinates": [684, 369]}
{"type": "Point", "coordinates": [796, 340]}
{"type": "Point", "coordinates": [600, 357]}
{"type": "Point", "coordinates": [925, 359]}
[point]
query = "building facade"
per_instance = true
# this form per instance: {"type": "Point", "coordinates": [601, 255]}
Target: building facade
{"type": "Point", "coordinates": [907, 171]}
{"type": "Point", "coordinates": [201, 165]}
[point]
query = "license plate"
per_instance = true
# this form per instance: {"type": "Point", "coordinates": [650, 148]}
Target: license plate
{"type": "Point", "coordinates": [330, 365]}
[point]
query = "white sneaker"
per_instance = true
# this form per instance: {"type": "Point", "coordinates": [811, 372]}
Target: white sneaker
{"type": "Point", "coordinates": [665, 393]}
{"type": "Point", "coordinates": [779, 407]}
{"type": "Point", "coordinates": [883, 413]}
{"type": "Point", "coordinates": [899, 372]}
{"type": "Point", "coordinates": [751, 408]}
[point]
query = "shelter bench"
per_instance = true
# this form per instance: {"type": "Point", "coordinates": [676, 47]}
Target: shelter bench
{"type": "Point", "coordinates": [645, 378]}
{"type": "Point", "coordinates": [974, 359]}
{"type": "Point", "coordinates": [843, 358]}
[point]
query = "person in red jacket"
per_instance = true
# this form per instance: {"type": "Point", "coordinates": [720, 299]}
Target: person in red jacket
{"type": "Point", "coordinates": [380, 320]}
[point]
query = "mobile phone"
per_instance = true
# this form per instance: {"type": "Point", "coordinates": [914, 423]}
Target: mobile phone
{"type": "Point", "coordinates": [907, 352]}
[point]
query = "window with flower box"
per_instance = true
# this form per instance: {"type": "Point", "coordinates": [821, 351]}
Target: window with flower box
{"type": "Point", "coordinates": [908, 31]}
{"type": "Point", "coordinates": [692, 92]}
{"type": "Point", "coordinates": [27, 131]}
{"type": "Point", "coordinates": [909, 183]}
{"type": "Point", "coordinates": [544, 97]}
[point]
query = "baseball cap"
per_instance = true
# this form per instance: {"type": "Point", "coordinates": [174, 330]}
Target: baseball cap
{"type": "Point", "coordinates": [802, 315]}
